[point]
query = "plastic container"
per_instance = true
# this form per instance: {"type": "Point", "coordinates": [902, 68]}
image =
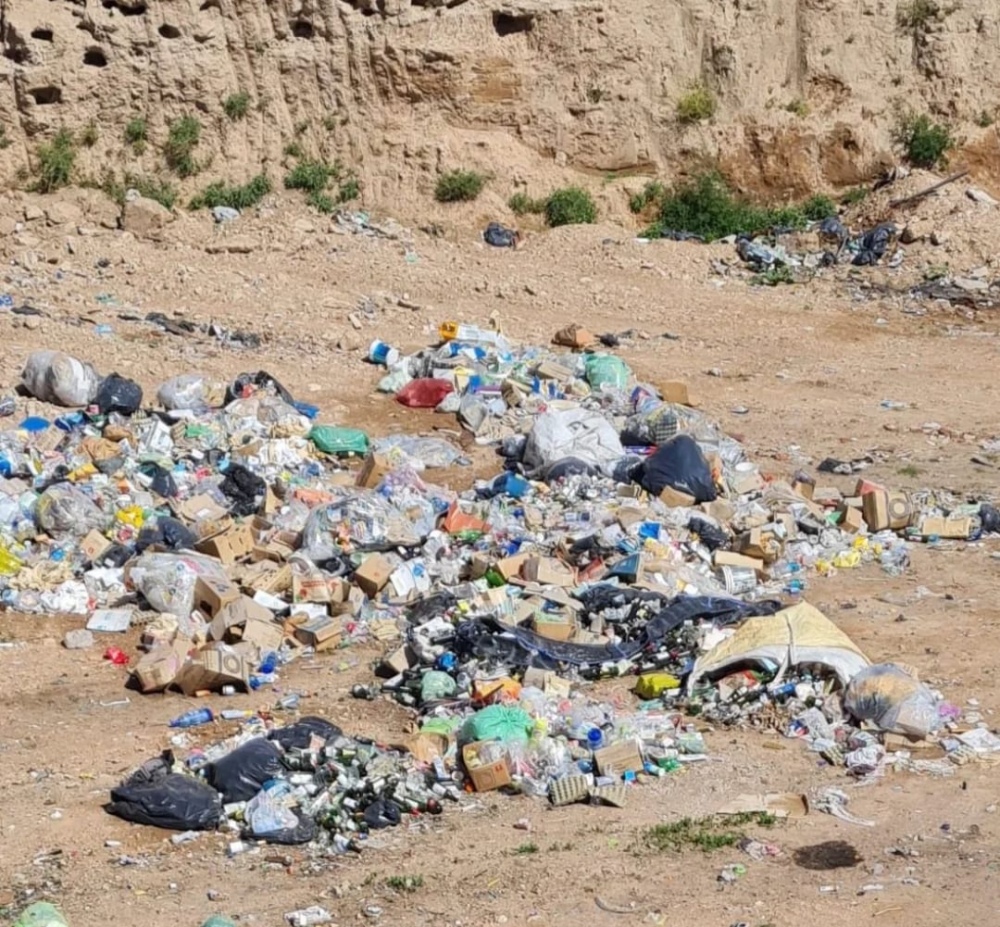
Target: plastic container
{"type": "Point", "coordinates": [194, 718]}
{"type": "Point", "coordinates": [457, 331]}
{"type": "Point", "coordinates": [381, 353]}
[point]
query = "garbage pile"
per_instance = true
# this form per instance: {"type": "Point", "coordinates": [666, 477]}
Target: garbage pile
{"type": "Point", "coordinates": [625, 535]}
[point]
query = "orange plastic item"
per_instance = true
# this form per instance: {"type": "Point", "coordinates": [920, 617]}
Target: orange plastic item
{"type": "Point", "coordinates": [456, 520]}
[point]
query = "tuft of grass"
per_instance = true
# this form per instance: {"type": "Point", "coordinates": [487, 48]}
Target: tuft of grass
{"type": "Point", "coordinates": [294, 150]}
{"type": "Point", "coordinates": [237, 105]}
{"type": "Point", "coordinates": [312, 176]}
{"type": "Point", "coordinates": [916, 14]}
{"type": "Point", "coordinates": [596, 94]}
{"type": "Point", "coordinates": [651, 194]}
{"type": "Point", "coordinates": [152, 188]}
{"type": "Point", "coordinates": [819, 207]}
{"type": "Point", "coordinates": [330, 122]}
{"type": "Point", "coordinates": [854, 196]}
{"type": "Point", "coordinates": [773, 276]}
{"type": "Point", "coordinates": [55, 162]}
{"type": "Point", "coordinates": [405, 883]}
{"type": "Point", "coordinates": [910, 470]}
{"type": "Point", "coordinates": [302, 127]}
{"type": "Point", "coordinates": [90, 134]}
{"type": "Point", "coordinates": [459, 186]}
{"type": "Point", "coordinates": [349, 190]}
{"type": "Point", "coordinates": [985, 119]}
{"type": "Point", "coordinates": [182, 138]}
{"type": "Point", "coordinates": [526, 849]}
{"type": "Point", "coordinates": [798, 108]}
{"type": "Point", "coordinates": [706, 834]}
{"type": "Point", "coordinates": [926, 143]}
{"type": "Point", "coordinates": [521, 204]}
{"type": "Point", "coordinates": [696, 105]}
{"type": "Point", "coordinates": [570, 206]}
{"type": "Point", "coordinates": [135, 134]}
{"type": "Point", "coordinates": [4, 141]}
{"type": "Point", "coordinates": [240, 197]}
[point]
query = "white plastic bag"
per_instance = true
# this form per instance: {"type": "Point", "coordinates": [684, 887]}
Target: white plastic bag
{"type": "Point", "coordinates": [58, 378]}
{"type": "Point", "coordinates": [587, 436]}
{"type": "Point", "coordinates": [894, 699]}
{"type": "Point", "coordinates": [187, 391]}
{"type": "Point", "coordinates": [167, 580]}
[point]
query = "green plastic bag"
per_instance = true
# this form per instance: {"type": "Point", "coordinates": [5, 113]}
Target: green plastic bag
{"type": "Point", "coordinates": [340, 441]}
{"type": "Point", "coordinates": [498, 722]}
{"type": "Point", "coordinates": [607, 370]}
{"type": "Point", "coordinates": [41, 914]}
{"type": "Point", "coordinates": [435, 685]}
{"type": "Point", "coordinates": [217, 920]}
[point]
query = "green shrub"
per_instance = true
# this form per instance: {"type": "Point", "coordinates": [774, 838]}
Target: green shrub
{"type": "Point", "coordinates": [152, 188]}
{"type": "Point", "coordinates": [294, 150]}
{"type": "Point", "coordinates": [237, 105]}
{"type": "Point", "coordinates": [854, 196]}
{"type": "Point", "coordinates": [90, 134]}
{"type": "Point", "coordinates": [182, 138]}
{"type": "Point", "coordinates": [521, 204]}
{"type": "Point", "coordinates": [312, 176]}
{"type": "Point", "coordinates": [570, 206]}
{"type": "Point", "coordinates": [322, 202]}
{"type": "Point", "coordinates": [236, 197]}
{"type": "Point", "coordinates": [819, 207]}
{"type": "Point", "coordinates": [916, 14]}
{"type": "Point", "coordinates": [55, 162]}
{"type": "Point", "coordinates": [798, 108]}
{"type": "Point", "coordinates": [349, 190]}
{"type": "Point", "coordinates": [653, 192]}
{"type": "Point", "coordinates": [4, 141]}
{"type": "Point", "coordinates": [926, 143]}
{"type": "Point", "coordinates": [135, 133]}
{"type": "Point", "coordinates": [459, 186]}
{"type": "Point", "coordinates": [696, 105]}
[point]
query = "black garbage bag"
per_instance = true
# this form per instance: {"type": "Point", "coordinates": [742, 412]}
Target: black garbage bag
{"type": "Point", "coordinates": [712, 536]}
{"type": "Point", "coordinates": [681, 465]}
{"type": "Point", "coordinates": [297, 736]}
{"type": "Point", "coordinates": [162, 480]}
{"type": "Point", "coordinates": [240, 775]}
{"type": "Point", "coordinates": [382, 813]}
{"type": "Point", "coordinates": [567, 467]}
{"type": "Point", "coordinates": [244, 489]}
{"type": "Point", "coordinates": [167, 532]}
{"type": "Point", "coordinates": [173, 801]}
{"type": "Point", "coordinates": [989, 515]}
{"type": "Point", "coordinates": [499, 236]}
{"type": "Point", "coordinates": [874, 244]}
{"type": "Point", "coordinates": [118, 394]}
{"type": "Point", "coordinates": [261, 380]}
{"type": "Point", "coordinates": [303, 832]}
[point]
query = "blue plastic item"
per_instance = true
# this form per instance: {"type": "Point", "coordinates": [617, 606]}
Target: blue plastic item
{"type": "Point", "coordinates": [34, 424]}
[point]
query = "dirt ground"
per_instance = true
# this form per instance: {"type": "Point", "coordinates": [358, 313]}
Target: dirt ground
{"type": "Point", "coordinates": [806, 366]}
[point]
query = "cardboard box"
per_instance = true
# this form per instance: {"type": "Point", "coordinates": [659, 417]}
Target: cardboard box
{"type": "Point", "coordinates": [323, 633]}
{"type": "Point", "coordinates": [954, 528]}
{"type": "Point", "coordinates": [618, 758]}
{"type": "Point", "coordinates": [310, 588]}
{"type": "Point", "coordinates": [759, 544]}
{"type": "Point", "coordinates": [875, 508]}
{"type": "Point", "coordinates": [723, 558]}
{"type": "Point", "coordinates": [211, 669]}
{"type": "Point", "coordinates": [508, 567]}
{"type": "Point", "coordinates": [400, 660]}
{"type": "Point", "coordinates": [804, 489]}
{"type": "Point", "coordinates": [851, 521]}
{"type": "Point", "coordinates": [902, 512]}
{"type": "Point", "coordinates": [675, 391]}
{"type": "Point", "coordinates": [267, 576]}
{"type": "Point", "coordinates": [233, 543]}
{"type": "Point", "coordinates": [554, 627]}
{"type": "Point", "coordinates": [372, 575]}
{"type": "Point", "coordinates": [485, 776]}
{"type": "Point", "coordinates": [827, 496]}
{"type": "Point", "coordinates": [264, 635]}
{"type": "Point", "coordinates": [94, 546]}
{"type": "Point", "coordinates": [671, 498]}
{"type": "Point", "coordinates": [157, 669]}
{"type": "Point", "coordinates": [235, 614]}
{"type": "Point", "coordinates": [200, 508]}
{"type": "Point", "coordinates": [372, 471]}
{"type": "Point", "coordinates": [548, 571]}
{"type": "Point", "coordinates": [212, 595]}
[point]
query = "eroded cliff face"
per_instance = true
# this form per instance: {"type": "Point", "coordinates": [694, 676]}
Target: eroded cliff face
{"type": "Point", "coordinates": [532, 92]}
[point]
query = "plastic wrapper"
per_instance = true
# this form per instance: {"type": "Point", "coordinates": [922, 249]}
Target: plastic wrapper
{"type": "Point", "coordinates": [247, 384]}
{"type": "Point", "coordinates": [419, 453]}
{"type": "Point", "coordinates": [363, 520]}
{"type": "Point", "coordinates": [893, 699]}
{"type": "Point", "coordinates": [172, 801]}
{"type": "Point", "coordinates": [118, 394]}
{"type": "Point", "coordinates": [167, 580]}
{"type": "Point", "coordinates": [58, 378]}
{"type": "Point", "coordinates": [240, 775]}
{"type": "Point", "coordinates": [189, 391]}
{"type": "Point", "coordinates": [65, 509]}
{"type": "Point", "coordinates": [265, 815]}
{"type": "Point", "coordinates": [435, 685]}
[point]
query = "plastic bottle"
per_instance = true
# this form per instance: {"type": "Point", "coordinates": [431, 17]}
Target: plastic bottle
{"type": "Point", "coordinates": [194, 718]}
{"type": "Point", "coordinates": [8, 405]}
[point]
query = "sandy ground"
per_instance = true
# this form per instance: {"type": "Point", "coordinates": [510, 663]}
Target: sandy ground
{"type": "Point", "coordinates": [810, 363]}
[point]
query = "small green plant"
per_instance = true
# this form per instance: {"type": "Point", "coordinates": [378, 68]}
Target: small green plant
{"type": "Point", "coordinates": [330, 122]}
{"type": "Point", "coordinates": [798, 108]}
{"type": "Point", "coordinates": [237, 105]}
{"type": "Point", "coordinates": [521, 204]}
{"type": "Point", "coordinates": [526, 849]}
{"type": "Point", "coordinates": [311, 176]}
{"type": "Point", "coordinates": [916, 14]}
{"type": "Point", "coordinates": [985, 119]}
{"type": "Point", "coordinates": [596, 94]}
{"type": "Point", "coordinates": [182, 137]}
{"type": "Point", "coordinates": [294, 150]}
{"type": "Point", "coordinates": [152, 188]}
{"type": "Point", "coordinates": [459, 186]}
{"type": "Point", "coordinates": [244, 196]}
{"type": "Point", "coordinates": [302, 127]}
{"type": "Point", "coordinates": [819, 207]}
{"type": "Point", "coordinates": [570, 206]}
{"type": "Point", "coordinates": [705, 834]}
{"type": "Point", "coordinates": [90, 134]}
{"type": "Point", "coordinates": [349, 190]}
{"type": "Point", "coordinates": [910, 470]}
{"type": "Point", "coordinates": [650, 195]}
{"type": "Point", "coordinates": [322, 202]}
{"type": "Point", "coordinates": [926, 143]}
{"type": "Point", "coordinates": [936, 272]}
{"type": "Point", "coordinates": [135, 132]}
{"type": "Point", "coordinates": [854, 196]}
{"type": "Point", "coordinates": [773, 276]}
{"type": "Point", "coordinates": [4, 141]}
{"type": "Point", "coordinates": [55, 162]}
{"type": "Point", "coordinates": [696, 105]}
{"type": "Point", "coordinates": [405, 883]}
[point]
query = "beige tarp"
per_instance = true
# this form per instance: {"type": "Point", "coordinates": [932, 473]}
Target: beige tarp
{"type": "Point", "coordinates": [800, 634]}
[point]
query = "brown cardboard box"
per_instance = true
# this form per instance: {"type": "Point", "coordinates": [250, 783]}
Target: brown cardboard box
{"type": "Point", "coordinates": [237, 613]}
{"type": "Point", "coordinates": [310, 588]}
{"type": "Point", "coordinates": [742, 483]}
{"type": "Point", "coordinates": [555, 627]}
{"type": "Point", "coordinates": [852, 521]}
{"type": "Point", "coordinates": [723, 558]}
{"type": "Point", "coordinates": [618, 758]}
{"type": "Point", "coordinates": [875, 508]}
{"type": "Point", "coordinates": [374, 468]}
{"type": "Point", "coordinates": [671, 498]}
{"type": "Point", "coordinates": [323, 633]}
{"type": "Point", "coordinates": [486, 777]}
{"type": "Point", "coordinates": [210, 669]}
{"type": "Point", "coordinates": [157, 669]}
{"type": "Point", "coordinates": [955, 528]}
{"type": "Point", "coordinates": [231, 544]}
{"type": "Point", "coordinates": [264, 635]}
{"type": "Point", "coordinates": [676, 391]}
{"type": "Point", "coordinates": [212, 595]}
{"type": "Point", "coordinates": [548, 571]}
{"type": "Point", "coordinates": [200, 508]}
{"type": "Point", "coordinates": [804, 489]}
{"type": "Point", "coordinates": [759, 544]}
{"type": "Point", "coordinates": [267, 576]}
{"type": "Point", "coordinates": [721, 510]}
{"type": "Point", "coordinates": [94, 546]}
{"type": "Point", "coordinates": [372, 575]}
{"type": "Point", "coordinates": [400, 660]}
{"type": "Point", "coordinates": [901, 511]}
{"type": "Point", "coordinates": [827, 496]}
{"type": "Point", "coordinates": [511, 566]}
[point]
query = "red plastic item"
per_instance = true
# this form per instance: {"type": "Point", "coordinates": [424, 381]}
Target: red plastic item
{"type": "Point", "coordinates": [424, 394]}
{"type": "Point", "coordinates": [116, 656]}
